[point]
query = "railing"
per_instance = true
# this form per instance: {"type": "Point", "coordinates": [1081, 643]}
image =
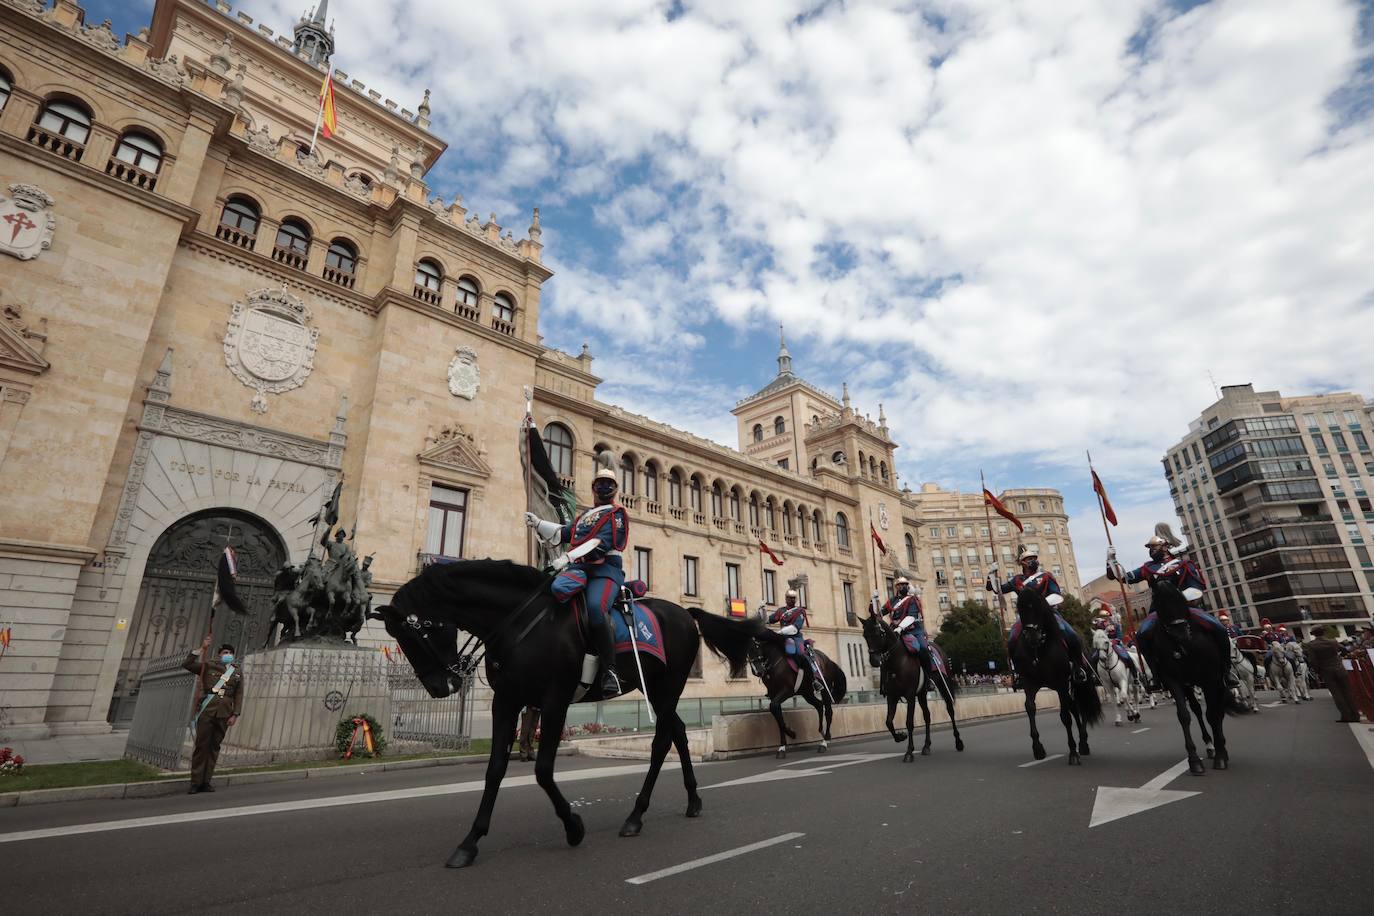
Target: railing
{"type": "Point", "coordinates": [720, 524]}
{"type": "Point", "coordinates": [425, 294]}
{"type": "Point", "coordinates": [162, 717]}
{"type": "Point", "coordinates": [416, 716]}
{"type": "Point", "coordinates": [739, 527]}
{"type": "Point", "coordinates": [344, 278]}
{"type": "Point", "coordinates": [678, 512]}
{"type": "Point", "coordinates": [629, 501]}
{"type": "Point", "coordinates": [653, 507]}
{"type": "Point", "coordinates": [790, 540]}
{"type": "Point", "coordinates": [1268, 521]}
{"type": "Point", "coordinates": [56, 143]}
{"type": "Point", "coordinates": [845, 550]}
{"type": "Point", "coordinates": [568, 482]}
{"type": "Point", "coordinates": [699, 518]}
{"type": "Point", "coordinates": [470, 312]}
{"type": "Point", "coordinates": [236, 236]}
{"type": "Point", "coordinates": [139, 178]}
{"type": "Point", "coordinates": [291, 257]}
{"type": "Point", "coordinates": [503, 327]}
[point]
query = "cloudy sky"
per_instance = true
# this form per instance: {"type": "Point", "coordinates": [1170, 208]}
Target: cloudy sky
{"type": "Point", "coordinates": [1028, 229]}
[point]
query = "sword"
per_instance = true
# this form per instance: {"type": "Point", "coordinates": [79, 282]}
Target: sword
{"type": "Point", "coordinates": [634, 649]}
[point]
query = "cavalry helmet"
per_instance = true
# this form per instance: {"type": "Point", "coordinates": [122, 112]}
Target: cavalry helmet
{"type": "Point", "coordinates": [1025, 553]}
{"type": "Point", "coordinates": [606, 474]}
{"type": "Point", "coordinates": [901, 580]}
{"type": "Point", "coordinates": [1157, 541]}
{"type": "Point", "coordinates": [1104, 612]}
{"type": "Point", "coordinates": [791, 593]}
{"type": "Point", "coordinates": [1264, 622]}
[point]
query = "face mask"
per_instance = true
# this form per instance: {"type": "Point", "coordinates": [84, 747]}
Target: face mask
{"type": "Point", "coordinates": [226, 658]}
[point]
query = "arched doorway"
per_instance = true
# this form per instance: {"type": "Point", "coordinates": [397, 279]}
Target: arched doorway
{"type": "Point", "coordinates": [178, 585]}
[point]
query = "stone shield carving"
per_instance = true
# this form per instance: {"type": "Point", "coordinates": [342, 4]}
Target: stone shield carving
{"type": "Point", "coordinates": [26, 222]}
{"type": "Point", "coordinates": [883, 520]}
{"type": "Point", "coordinates": [270, 346]}
{"type": "Point", "coordinates": [464, 375]}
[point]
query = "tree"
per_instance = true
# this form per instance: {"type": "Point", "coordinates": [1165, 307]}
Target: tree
{"type": "Point", "coordinates": [1077, 614]}
{"type": "Point", "coordinates": [971, 636]}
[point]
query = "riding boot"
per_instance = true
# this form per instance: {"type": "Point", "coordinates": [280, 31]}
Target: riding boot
{"type": "Point", "coordinates": [610, 680]}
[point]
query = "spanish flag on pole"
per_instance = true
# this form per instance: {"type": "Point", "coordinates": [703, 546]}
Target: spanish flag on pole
{"type": "Point", "coordinates": [329, 122]}
{"type": "Point", "coordinates": [996, 505]}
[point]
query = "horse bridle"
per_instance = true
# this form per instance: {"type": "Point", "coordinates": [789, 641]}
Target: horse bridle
{"type": "Point", "coordinates": [475, 649]}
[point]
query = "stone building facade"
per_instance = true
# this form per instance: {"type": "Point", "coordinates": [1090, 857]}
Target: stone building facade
{"type": "Point", "coordinates": [207, 326]}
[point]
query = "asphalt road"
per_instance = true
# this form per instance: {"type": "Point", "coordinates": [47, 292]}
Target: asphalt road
{"type": "Point", "coordinates": [1289, 828]}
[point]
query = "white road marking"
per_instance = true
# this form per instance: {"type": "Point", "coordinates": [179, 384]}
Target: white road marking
{"type": "Point", "coordinates": [1273, 704]}
{"type": "Point", "coordinates": [1034, 763]}
{"type": "Point", "coordinates": [1364, 733]}
{"type": "Point", "coordinates": [819, 769]}
{"type": "Point", "coordinates": [1115, 802]}
{"type": "Point", "coordinates": [306, 804]}
{"type": "Point", "coordinates": [711, 860]}
{"type": "Point", "coordinates": [1139, 730]}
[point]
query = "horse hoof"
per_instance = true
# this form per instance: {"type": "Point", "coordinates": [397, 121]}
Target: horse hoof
{"type": "Point", "coordinates": [908, 757]}
{"type": "Point", "coordinates": [574, 829]}
{"type": "Point", "coordinates": [631, 827]}
{"type": "Point", "coordinates": [899, 737]}
{"type": "Point", "coordinates": [462, 857]}
{"type": "Point", "coordinates": [1084, 750]}
{"type": "Point", "coordinates": [1210, 753]}
{"type": "Point", "coordinates": [694, 807]}
{"type": "Point", "coordinates": [1220, 763]}
{"type": "Point", "coordinates": [1038, 751]}
{"type": "Point", "coordinates": [1196, 767]}
{"type": "Point", "coordinates": [822, 749]}
{"type": "Point", "coordinates": [958, 744]}
{"type": "Point", "coordinates": [1118, 723]}
{"type": "Point", "coordinates": [781, 754]}
{"type": "Point", "coordinates": [1075, 760]}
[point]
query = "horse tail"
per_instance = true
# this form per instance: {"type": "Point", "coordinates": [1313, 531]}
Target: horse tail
{"type": "Point", "coordinates": [838, 682]}
{"type": "Point", "coordinates": [1088, 702]}
{"type": "Point", "coordinates": [726, 638]}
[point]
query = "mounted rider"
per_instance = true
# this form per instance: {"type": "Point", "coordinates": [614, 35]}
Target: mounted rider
{"type": "Point", "coordinates": [1232, 631]}
{"type": "Point", "coordinates": [793, 618]}
{"type": "Point", "coordinates": [1267, 631]}
{"type": "Point", "coordinates": [907, 617]}
{"type": "Point", "coordinates": [1034, 577]}
{"type": "Point", "coordinates": [593, 566]}
{"type": "Point", "coordinates": [1169, 563]}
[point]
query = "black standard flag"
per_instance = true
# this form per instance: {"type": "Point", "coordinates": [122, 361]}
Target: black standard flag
{"type": "Point", "coordinates": [226, 592]}
{"type": "Point", "coordinates": [330, 512]}
{"type": "Point", "coordinates": [548, 488]}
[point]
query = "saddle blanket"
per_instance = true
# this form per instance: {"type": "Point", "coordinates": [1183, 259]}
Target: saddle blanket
{"type": "Point", "coordinates": [648, 636]}
{"type": "Point", "coordinates": [1202, 618]}
{"type": "Point", "coordinates": [937, 659]}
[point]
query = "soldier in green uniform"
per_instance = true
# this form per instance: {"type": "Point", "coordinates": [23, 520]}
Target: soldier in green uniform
{"type": "Point", "coordinates": [219, 704]}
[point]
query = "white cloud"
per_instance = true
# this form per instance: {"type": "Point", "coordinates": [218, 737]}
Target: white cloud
{"type": "Point", "coordinates": [1111, 224]}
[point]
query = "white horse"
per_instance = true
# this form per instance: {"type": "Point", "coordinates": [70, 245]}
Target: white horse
{"type": "Point", "coordinates": [1281, 673]}
{"type": "Point", "coordinates": [1138, 689]}
{"type": "Point", "coordinates": [1298, 659]}
{"type": "Point", "coordinates": [1244, 670]}
{"type": "Point", "coordinates": [1115, 675]}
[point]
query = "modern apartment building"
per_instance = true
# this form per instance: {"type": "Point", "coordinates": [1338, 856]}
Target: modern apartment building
{"type": "Point", "coordinates": [1271, 491]}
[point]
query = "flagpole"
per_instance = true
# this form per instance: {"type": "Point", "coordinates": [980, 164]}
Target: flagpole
{"type": "Point", "coordinates": [319, 115]}
{"type": "Point", "coordinates": [1102, 510]}
{"type": "Point", "coordinates": [525, 426]}
{"type": "Point", "coordinates": [872, 549]}
{"type": "Point", "coordinates": [1001, 599]}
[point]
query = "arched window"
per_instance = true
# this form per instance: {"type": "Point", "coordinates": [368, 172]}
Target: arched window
{"type": "Point", "coordinates": [837, 458]}
{"type": "Point", "coordinates": [467, 292]}
{"type": "Point", "coordinates": [816, 526]}
{"type": "Point", "coordinates": [787, 518]}
{"type": "Point", "coordinates": [139, 150]}
{"type": "Point", "coordinates": [293, 243]}
{"type": "Point", "coordinates": [872, 466]}
{"type": "Point", "coordinates": [238, 222]}
{"type": "Point", "coordinates": [770, 515]}
{"type": "Point", "coordinates": [627, 475]}
{"type": "Point", "coordinates": [503, 308]}
{"type": "Point", "coordinates": [882, 470]}
{"type": "Point", "coordinates": [910, 551]}
{"type": "Point", "coordinates": [753, 510]}
{"type": "Point", "coordinates": [66, 119]}
{"type": "Point", "coordinates": [801, 521]}
{"type": "Point", "coordinates": [778, 426]}
{"type": "Point", "coordinates": [758, 432]}
{"type": "Point", "coordinates": [651, 481]}
{"type": "Point", "coordinates": [341, 263]}
{"type": "Point", "coordinates": [6, 86]}
{"type": "Point", "coordinates": [558, 442]}
{"type": "Point", "coordinates": [429, 276]}
{"type": "Point", "coordinates": [734, 503]}
{"type": "Point", "coordinates": [674, 488]}
{"type": "Point", "coordinates": [841, 530]}
{"type": "Point", "coordinates": [717, 501]}
{"type": "Point", "coordinates": [695, 494]}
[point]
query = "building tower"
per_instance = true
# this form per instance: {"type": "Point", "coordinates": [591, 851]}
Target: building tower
{"type": "Point", "coordinates": [312, 38]}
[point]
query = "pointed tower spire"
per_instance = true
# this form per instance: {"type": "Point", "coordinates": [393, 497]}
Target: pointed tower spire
{"type": "Point", "coordinates": [320, 12]}
{"type": "Point", "coordinates": [784, 358]}
{"type": "Point", "coordinates": [314, 41]}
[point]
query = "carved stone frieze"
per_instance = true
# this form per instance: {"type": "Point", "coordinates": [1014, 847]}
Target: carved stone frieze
{"type": "Point", "coordinates": [270, 346]}
{"type": "Point", "coordinates": [464, 375]}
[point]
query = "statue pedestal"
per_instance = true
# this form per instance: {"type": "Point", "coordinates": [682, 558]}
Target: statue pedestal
{"type": "Point", "coordinates": [295, 695]}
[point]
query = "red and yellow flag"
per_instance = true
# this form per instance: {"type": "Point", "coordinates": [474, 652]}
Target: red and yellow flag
{"type": "Point", "coordinates": [329, 121]}
{"type": "Point", "coordinates": [768, 551]}
{"type": "Point", "coordinates": [1101, 491]}
{"type": "Point", "coordinates": [996, 505]}
{"type": "Point", "coordinates": [882, 548]}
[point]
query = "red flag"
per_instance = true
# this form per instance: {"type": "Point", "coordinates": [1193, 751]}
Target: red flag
{"type": "Point", "coordinates": [329, 120]}
{"type": "Point", "coordinates": [877, 540]}
{"type": "Point", "coordinates": [996, 505]}
{"type": "Point", "coordinates": [777, 561]}
{"type": "Point", "coordinates": [1102, 494]}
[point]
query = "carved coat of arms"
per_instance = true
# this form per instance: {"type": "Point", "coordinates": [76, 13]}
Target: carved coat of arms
{"type": "Point", "coordinates": [883, 519]}
{"type": "Point", "coordinates": [26, 222]}
{"type": "Point", "coordinates": [270, 346]}
{"type": "Point", "coordinates": [464, 375]}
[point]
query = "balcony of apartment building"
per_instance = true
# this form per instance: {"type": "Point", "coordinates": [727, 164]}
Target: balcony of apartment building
{"type": "Point", "coordinates": [1304, 606]}
{"type": "Point", "coordinates": [1302, 559]}
{"type": "Point", "coordinates": [1265, 533]}
{"type": "Point", "coordinates": [1279, 493]}
{"type": "Point", "coordinates": [1254, 473]}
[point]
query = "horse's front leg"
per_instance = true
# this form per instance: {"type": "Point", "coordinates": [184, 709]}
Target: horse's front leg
{"type": "Point", "coordinates": [1067, 714]}
{"type": "Point", "coordinates": [910, 754]}
{"type": "Point", "coordinates": [1217, 697]}
{"type": "Point", "coordinates": [948, 697]}
{"type": "Point", "coordinates": [663, 739]}
{"type": "Point", "coordinates": [1037, 749]}
{"type": "Point", "coordinates": [689, 776]}
{"type": "Point", "coordinates": [552, 714]}
{"type": "Point", "coordinates": [775, 707]}
{"type": "Point", "coordinates": [503, 713]}
{"type": "Point", "coordinates": [891, 715]}
{"type": "Point", "coordinates": [925, 713]}
{"type": "Point", "coordinates": [1183, 698]}
{"type": "Point", "coordinates": [1196, 707]}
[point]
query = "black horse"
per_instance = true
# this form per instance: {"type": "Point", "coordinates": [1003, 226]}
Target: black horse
{"type": "Point", "coordinates": [906, 677]}
{"type": "Point", "coordinates": [1043, 660]}
{"type": "Point", "coordinates": [1182, 657]}
{"type": "Point", "coordinates": [534, 652]}
{"type": "Point", "coordinates": [768, 658]}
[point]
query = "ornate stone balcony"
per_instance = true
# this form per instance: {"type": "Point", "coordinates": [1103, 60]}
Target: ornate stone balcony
{"type": "Point", "coordinates": [56, 143]}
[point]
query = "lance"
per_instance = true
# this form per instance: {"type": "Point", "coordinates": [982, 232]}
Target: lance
{"type": "Point", "coordinates": [872, 549]}
{"type": "Point", "coordinates": [997, 586]}
{"type": "Point", "coordinates": [528, 460]}
{"type": "Point", "coordinates": [1102, 510]}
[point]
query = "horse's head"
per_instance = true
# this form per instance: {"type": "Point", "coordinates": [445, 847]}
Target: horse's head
{"type": "Point", "coordinates": [878, 637]}
{"type": "Point", "coordinates": [1037, 618]}
{"type": "Point", "coordinates": [431, 647]}
{"type": "Point", "coordinates": [1100, 641]}
{"type": "Point", "coordinates": [1172, 610]}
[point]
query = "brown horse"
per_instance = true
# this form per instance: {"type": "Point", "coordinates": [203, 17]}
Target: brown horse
{"type": "Point", "coordinates": [907, 677]}
{"type": "Point", "coordinates": [768, 659]}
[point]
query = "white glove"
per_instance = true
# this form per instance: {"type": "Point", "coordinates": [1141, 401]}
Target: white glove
{"type": "Point", "coordinates": [992, 570]}
{"type": "Point", "coordinates": [560, 562]}
{"type": "Point", "coordinates": [1111, 555]}
{"type": "Point", "coordinates": [547, 531]}
{"type": "Point", "coordinates": [788, 630]}
{"type": "Point", "coordinates": [1054, 600]}
{"type": "Point", "coordinates": [875, 596]}
{"type": "Point", "coordinates": [531, 520]}
{"type": "Point", "coordinates": [905, 624]}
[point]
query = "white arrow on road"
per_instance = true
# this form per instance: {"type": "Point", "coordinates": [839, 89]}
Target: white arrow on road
{"type": "Point", "coordinates": [1114, 802]}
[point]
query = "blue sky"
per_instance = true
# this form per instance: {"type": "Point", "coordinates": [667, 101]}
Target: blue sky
{"type": "Point", "coordinates": [1027, 229]}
